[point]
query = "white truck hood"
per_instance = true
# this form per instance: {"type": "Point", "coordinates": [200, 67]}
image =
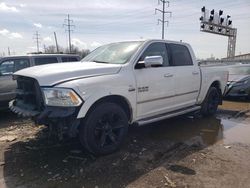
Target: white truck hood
{"type": "Point", "coordinates": [52, 74]}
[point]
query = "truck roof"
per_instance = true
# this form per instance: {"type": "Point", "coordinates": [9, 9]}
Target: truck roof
{"type": "Point", "coordinates": [153, 40]}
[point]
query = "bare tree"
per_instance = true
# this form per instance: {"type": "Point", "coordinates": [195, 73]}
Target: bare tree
{"type": "Point", "coordinates": [74, 50]}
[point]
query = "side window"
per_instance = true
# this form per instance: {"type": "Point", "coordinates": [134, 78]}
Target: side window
{"type": "Point", "coordinates": [45, 60]}
{"type": "Point", "coordinates": [69, 59]}
{"type": "Point", "coordinates": [21, 64]}
{"type": "Point", "coordinates": [6, 67]}
{"type": "Point", "coordinates": [180, 55]}
{"type": "Point", "coordinates": [156, 49]}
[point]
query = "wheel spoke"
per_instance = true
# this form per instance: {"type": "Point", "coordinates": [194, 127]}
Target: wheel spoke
{"type": "Point", "coordinates": [119, 126]}
{"type": "Point", "coordinates": [103, 138]}
{"type": "Point", "coordinates": [112, 137]}
{"type": "Point", "coordinates": [99, 128]}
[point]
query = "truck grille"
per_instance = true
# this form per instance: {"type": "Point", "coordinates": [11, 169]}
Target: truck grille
{"type": "Point", "coordinates": [28, 94]}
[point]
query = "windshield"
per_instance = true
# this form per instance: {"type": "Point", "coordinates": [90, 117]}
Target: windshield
{"type": "Point", "coordinates": [243, 70]}
{"type": "Point", "coordinates": [115, 53]}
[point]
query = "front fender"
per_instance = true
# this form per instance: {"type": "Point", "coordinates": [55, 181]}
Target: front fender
{"type": "Point", "coordinates": [96, 97]}
{"type": "Point", "coordinates": [93, 89]}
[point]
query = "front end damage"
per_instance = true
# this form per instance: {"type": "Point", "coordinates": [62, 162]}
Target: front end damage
{"type": "Point", "coordinates": [29, 102]}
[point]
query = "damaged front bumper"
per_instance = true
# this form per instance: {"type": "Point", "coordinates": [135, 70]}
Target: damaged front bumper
{"type": "Point", "coordinates": [29, 102]}
{"type": "Point", "coordinates": [61, 119]}
{"type": "Point", "coordinates": [24, 112]}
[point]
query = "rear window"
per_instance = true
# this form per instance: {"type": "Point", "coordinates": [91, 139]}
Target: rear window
{"type": "Point", "coordinates": [69, 59]}
{"type": "Point", "coordinates": [180, 55]}
{"type": "Point", "coordinates": [45, 60]}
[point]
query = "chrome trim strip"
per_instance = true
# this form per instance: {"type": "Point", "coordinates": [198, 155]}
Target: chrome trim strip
{"type": "Point", "coordinates": [170, 96]}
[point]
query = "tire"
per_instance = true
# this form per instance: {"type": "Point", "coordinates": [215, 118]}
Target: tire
{"type": "Point", "coordinates": [104, 129]}
{"type": "Point", "coordinates": [210, 105]}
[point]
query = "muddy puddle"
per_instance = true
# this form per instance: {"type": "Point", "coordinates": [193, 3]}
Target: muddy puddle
{"type": "Point", "coordinates": [222, 129]}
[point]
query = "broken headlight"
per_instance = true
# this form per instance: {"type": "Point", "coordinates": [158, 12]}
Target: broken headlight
{"type": "Point", "coordinates": [61, 97]}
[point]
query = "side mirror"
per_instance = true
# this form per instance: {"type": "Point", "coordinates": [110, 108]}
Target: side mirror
{"type": "Point", "coordinates": [150, 61]}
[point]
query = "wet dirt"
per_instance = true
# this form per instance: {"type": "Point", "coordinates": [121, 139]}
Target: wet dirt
{"type": "Point", "coordinates": [187, 151]}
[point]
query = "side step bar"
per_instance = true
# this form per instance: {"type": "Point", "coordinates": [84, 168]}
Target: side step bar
{"type": "Point", "coordinates": [167, 115]}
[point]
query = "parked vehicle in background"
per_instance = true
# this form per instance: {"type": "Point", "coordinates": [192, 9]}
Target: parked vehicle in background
{"type": "Point", "coordinates": [11, 64]}
{"type": "Point", "coordinates": [239, 81]}
{"type": "Point", "coordinates": [118, 84]}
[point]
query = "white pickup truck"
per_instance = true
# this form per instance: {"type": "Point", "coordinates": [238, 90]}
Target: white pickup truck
{"type": "Point", "coordinates": [117, 85]}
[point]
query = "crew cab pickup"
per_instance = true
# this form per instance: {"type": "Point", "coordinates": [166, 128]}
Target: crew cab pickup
{"type": "Point", "coordinates": [118, 85]}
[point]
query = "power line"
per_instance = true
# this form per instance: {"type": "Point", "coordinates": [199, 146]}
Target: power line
{"type": "Point", "coordinates": [68, 23]}
{"type": "Point", "coordinates": [163, 12]}
{"type": "Point", "coordinates": [37, 39]}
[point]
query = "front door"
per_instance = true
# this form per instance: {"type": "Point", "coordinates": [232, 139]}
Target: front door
{"type": "Point", "coordinates": [155, 85]}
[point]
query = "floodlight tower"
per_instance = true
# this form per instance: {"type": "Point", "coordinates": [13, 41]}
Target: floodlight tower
{"type": "Point", "coordinates": [214, 22]}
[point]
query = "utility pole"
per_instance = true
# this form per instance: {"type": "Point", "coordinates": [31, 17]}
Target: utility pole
{"type": "Point", "coordinates": [37, 40]}
{"type": "Point", "coordinates": [57, 48]}
{"type": "Point", "coordinates": [68, 23]}
{"type": "Point", "coordinates": [163, 12]}
{"type": "Point", "coordinates": [9, 51]}
{"type": "Point", "coordinates": [44, 48]}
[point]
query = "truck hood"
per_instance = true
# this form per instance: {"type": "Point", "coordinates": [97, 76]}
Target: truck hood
{"type": "Point", "coordinates": [52, 74]}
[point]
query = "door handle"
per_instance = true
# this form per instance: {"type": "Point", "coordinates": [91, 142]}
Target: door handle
{"type": "Point", "coordinates": [195, 72]}
{"type": "Point", "coordinates": [168, 75]}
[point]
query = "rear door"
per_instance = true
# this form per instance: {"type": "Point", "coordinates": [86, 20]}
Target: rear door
{"type": "Point", "coordinates": [155, 85]}
{"type": "Point", "coordinates": [187, 75]}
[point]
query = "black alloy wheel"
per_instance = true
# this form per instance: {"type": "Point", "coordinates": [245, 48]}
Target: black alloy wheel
{"type": "Point", "coordinates": [105, 129]}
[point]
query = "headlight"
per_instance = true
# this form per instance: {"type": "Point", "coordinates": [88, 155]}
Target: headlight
{"type": "Point", "coordinates": [61, 97]}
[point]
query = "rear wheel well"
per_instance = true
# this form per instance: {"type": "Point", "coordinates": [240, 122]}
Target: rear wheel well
{"type": "Point", "coordinates": [121, 101]}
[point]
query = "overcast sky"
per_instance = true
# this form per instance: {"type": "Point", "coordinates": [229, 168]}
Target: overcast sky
{"type": "Point", "coordinates": [103, 21]}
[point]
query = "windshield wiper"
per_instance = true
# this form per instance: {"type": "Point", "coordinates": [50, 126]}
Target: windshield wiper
{"type": "Point", "coordinates": [101, 62]}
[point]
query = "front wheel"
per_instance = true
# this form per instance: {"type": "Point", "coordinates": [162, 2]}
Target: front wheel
{"type": "Point", "coordinates": [211, 102]}
{"type": "Point", "coordinates": [104, 129]}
